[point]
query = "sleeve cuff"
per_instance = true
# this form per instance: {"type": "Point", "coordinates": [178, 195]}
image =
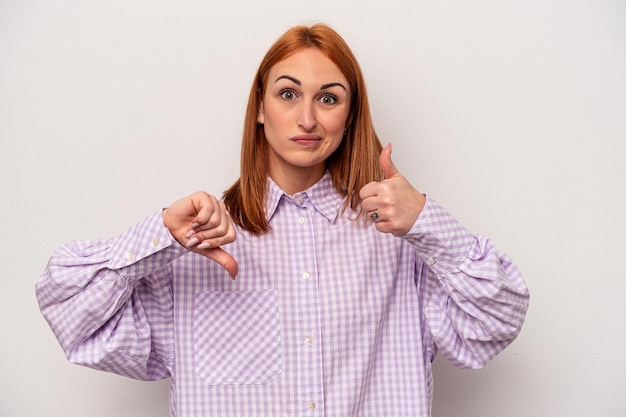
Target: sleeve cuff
{"type": "Point", "coordinates": [144, 248]}
{"type": "Point", "coordinates": [441, 241]}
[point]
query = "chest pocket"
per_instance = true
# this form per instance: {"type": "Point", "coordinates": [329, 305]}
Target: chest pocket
{"type": "Point", "coordinates": [237, 336]}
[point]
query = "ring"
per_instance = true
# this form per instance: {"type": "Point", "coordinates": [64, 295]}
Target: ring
{"type": "Point", "coordinates": [374, 216]}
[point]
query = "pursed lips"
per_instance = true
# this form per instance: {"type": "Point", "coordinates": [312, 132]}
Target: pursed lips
{"type": "Point", "coordinates": [307, 140]}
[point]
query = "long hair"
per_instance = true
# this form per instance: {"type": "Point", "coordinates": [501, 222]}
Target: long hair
{"type": "Point", "coordinates": [353, 164]}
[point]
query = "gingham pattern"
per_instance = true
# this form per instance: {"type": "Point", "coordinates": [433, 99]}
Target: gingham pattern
{"type": "Point", "coordinates": [237, 337]}
{"type": "Point", "coordinates": [327, 317]}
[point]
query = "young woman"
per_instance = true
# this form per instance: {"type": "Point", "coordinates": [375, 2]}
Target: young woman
{"type": "Point", "coordinates": [347, 281]}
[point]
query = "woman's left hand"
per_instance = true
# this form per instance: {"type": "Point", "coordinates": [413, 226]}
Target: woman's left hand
{"type": "Point", "coordinates": [393, 203]}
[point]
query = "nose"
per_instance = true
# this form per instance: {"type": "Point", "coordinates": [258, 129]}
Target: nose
{"type": "Point", "coordinates": [306, 117]}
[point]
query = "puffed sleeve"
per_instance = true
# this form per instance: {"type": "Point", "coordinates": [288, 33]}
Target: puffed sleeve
{"type": "Point", "coordinates": [474, 298]}
{"type": "Point", "coordinates": [109, 301]}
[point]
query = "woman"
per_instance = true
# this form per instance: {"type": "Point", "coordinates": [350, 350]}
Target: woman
{"type": "Point", "coordinates": [348, 280]}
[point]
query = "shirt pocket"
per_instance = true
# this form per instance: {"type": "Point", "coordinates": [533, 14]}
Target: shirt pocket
{"type": "Point", "coordinates": [237, 336]}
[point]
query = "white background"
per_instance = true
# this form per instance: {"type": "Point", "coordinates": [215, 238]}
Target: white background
{"type": "Point", "coordinates": [512, 114]}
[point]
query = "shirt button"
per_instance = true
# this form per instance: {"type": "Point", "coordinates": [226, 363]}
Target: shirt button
{"type": "Point", "coordinates": [155, 241]}
{"type": "Point", "coordinates": [312, 405]}
{"type": "Point", "coordinates": [308, 340]}
{"type": "Point", "coordinates": [306, 276]}
{"type": "Point", "coordinates": [301, 220]}
{"type": "Point", "coordinates": [431, 261]}
{"type": "Point", "coordinates": [130, 256]}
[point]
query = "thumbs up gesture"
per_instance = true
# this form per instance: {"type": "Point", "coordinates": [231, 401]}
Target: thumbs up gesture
{"type": "Point", "coordinates": [393, 204]}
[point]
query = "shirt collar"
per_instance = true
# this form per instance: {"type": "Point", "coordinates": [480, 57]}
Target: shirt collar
{"type": "Point", "coordinates": [322, 195]}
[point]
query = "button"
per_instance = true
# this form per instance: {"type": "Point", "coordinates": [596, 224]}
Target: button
{"type": "Point", "coordinates": [308, 340]}
{"type": "Point", "coordinates": [155, 241]}
{"type": "Point", "coordinates": [130, 256]}
{"type": "Point", "coordinates": [301, 220]}
{"type": "Point", "coordinates": [306, 276]}
{"type": "Point", "coordinates": [299, 199]}
{"type": "Point", "coordinates": [431, 261]}
{"type": "Point", "coordinates": [312, 405]}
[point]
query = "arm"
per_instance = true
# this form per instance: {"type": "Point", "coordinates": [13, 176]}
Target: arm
{"type": "Point", "coordinates": [473, 297]}
{"type": "Point", "coordinates": [109, 303]}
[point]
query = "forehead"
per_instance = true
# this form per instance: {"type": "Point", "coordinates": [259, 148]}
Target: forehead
{"type": "Point", "coordinates": [307, 64]}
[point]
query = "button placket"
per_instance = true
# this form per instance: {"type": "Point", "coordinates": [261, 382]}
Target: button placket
{"type": "Point", "coordinates": [305, 265]}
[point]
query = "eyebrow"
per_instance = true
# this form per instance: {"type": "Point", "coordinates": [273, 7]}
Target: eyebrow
{"type": "Point", "coordinates": [298, 82]}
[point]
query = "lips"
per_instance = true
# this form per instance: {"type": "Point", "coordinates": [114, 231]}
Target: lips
{"type": "Point", "coordinates": [306, 140]}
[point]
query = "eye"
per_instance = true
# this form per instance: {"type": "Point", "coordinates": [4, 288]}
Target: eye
{"type": "Point", "coordinates": [328, 99]}
{"type": "Point", "coordinates": [288, 94]}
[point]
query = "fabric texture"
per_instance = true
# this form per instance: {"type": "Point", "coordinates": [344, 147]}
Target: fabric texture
{"type": "Point", "coordinates": [327, 317]}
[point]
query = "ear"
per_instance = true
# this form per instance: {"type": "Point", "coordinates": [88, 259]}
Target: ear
{"type": "Point", "coordinates": [260, 118]}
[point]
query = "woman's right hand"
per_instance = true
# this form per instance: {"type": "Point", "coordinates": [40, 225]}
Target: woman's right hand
{"type": "Point", "coordinates": [201, 223]}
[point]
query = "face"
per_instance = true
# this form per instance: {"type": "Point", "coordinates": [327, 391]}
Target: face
{"type": "Point", "coordinates": [304, 112]}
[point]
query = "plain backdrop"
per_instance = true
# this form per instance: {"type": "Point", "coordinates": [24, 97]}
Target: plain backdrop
{"type": "Point", "coordinates": [512, 114]}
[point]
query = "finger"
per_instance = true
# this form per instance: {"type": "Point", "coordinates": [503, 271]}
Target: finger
{"type": "Point", "coordinates": [369, 190]}
{"type": "Point", "coordinates": [370, 204]}
{"type": "Point", "coordinates": [221, 234]}
{"type": "Point", "coordinates": [386, 164]}
{"type": "Point", "coordinates": [383, 226]}
{"type": "Point", "coordinates": [208, 212]}
{"type": "Point", "coordinates": [225, 259]}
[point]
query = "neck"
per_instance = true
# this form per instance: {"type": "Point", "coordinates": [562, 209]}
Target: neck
{"type": "Point", "coordinates": [297, 180]}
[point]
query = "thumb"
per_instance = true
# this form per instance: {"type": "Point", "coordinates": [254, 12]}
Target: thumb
{"type": "Point", "coordinates": [386, 164]}
{"type": "Point", "coordinates": [225, 259]}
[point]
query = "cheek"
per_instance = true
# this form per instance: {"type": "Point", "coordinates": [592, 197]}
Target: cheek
{"type": "Point", "coordinates": [273, 117]}
{"type": "Point", "coordinates": [336, 123]}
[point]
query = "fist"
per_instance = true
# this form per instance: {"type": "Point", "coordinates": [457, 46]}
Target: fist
{"type": "Point", "coordinates": [393, 204]}
{"type": "Point", "coordinates": [201, 223]}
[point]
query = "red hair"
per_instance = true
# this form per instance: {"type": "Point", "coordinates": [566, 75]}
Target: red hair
{"type": "Point", "coordinates": [351, 166]}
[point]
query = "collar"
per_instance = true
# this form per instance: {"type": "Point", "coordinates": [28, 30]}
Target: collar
{"type": "Point", "coordinates": [322, 196]}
